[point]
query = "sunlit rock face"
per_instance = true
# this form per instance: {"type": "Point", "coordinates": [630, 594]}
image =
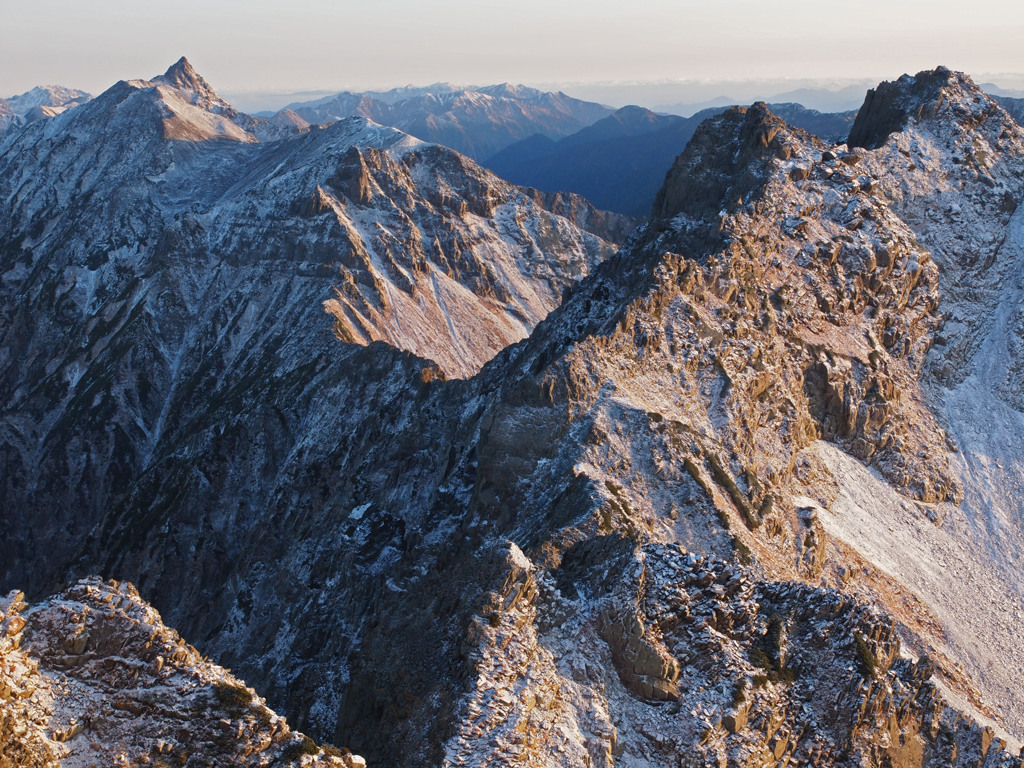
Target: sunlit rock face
{"type": "Point", "coordinates": [92, 676]}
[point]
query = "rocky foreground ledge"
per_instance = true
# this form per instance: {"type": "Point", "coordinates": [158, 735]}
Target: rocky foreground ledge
{"type": "Point", "coordinates": [92, 677]}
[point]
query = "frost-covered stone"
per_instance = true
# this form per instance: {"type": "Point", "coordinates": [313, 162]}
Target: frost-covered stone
{"type": "Point", "coordinates": [92, 676]}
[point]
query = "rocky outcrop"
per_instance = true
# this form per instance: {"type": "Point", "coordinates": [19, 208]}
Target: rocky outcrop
{"type": "Point", "coordinates": [889, 107]}
{"type": "Point", "coordinates": [713, 176]}
{"type": "Point", "coordinates": [93, 676]}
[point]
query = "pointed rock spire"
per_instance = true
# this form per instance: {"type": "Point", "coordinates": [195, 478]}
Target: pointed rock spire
{"type": "Point", "coordinates": [182, 75]}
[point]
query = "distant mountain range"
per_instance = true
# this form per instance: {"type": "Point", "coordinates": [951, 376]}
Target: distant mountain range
{"type": "Point", "coordinates": [41, 101]}
{"type": "Point", "coordinates": [619, 163]}
{"type": "Point", "coordinates": [842, 99]}
{"type": "Point", "coordinates": [476, 122]}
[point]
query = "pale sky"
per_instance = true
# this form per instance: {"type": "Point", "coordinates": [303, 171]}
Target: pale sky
{"type": "Point", "coordinates": [258, 45]}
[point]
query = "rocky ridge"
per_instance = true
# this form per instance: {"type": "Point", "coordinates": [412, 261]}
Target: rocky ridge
{"type": "Point", "coordinates": [92, 676]}
{"type": "Point", "coordinates": [625, 541]}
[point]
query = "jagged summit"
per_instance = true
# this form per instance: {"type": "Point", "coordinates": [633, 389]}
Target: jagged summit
{"type": "Point", "coordinates": [183, 76]}
{"type": "Point", "coordinates": [726, 160]}
{"type": "Point", "coordinates": [890, 106]}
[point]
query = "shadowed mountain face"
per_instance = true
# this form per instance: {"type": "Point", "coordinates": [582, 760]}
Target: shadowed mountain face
{"type": "Point", "coordinates": [477, 122]}
{"type": "Point", "coordinates": [714, 509]}
{"type": "Point", "coordinates": [619, 162]}
{"type": "Point", "coordinates": [158, 258]}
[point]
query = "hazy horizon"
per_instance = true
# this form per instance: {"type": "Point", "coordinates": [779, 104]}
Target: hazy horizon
{"type": "Point", "coordinates": [829, 94]}
{"type": "Point", "coordinates": [668, 96]}
{"type": "Point", "coordinates": [313, 45]}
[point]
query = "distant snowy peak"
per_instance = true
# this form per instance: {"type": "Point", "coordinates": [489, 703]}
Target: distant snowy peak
{"type": "Point", "coordinates": [39, 103]}
{"type": "Point", "coordinates": [394, 95]}
{"type": "Point", "coordinates": [53, 96]}
{"type": "Point", "coordinates": [509, 89]}
{"type": "Point", "coordinates": [478, 121]}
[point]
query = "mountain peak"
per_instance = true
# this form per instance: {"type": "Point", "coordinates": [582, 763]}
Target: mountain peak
{"type": "Point", "coordinates": [631, 114]}
{"type": "Point", "coordinates": [190, 85]}
{"type": "Point", "coordinates": [724, 162]}
{"type": "Point", "coordinates": [47, 96]}
{"type": "Point", "coordinates": [183, 76]}
{"type": "Point", "coordinates": [891, 105]}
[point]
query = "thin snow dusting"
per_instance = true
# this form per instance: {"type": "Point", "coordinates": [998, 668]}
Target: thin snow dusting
{"type": "Point", "coordinates": [949, 566]}
{"type": "Point", "coordinates": [957, 189]}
